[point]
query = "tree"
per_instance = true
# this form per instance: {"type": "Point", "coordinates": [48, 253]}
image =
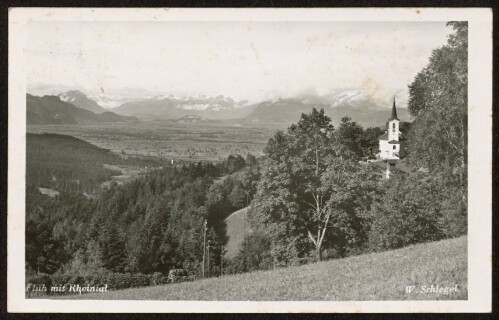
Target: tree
{"type": "Point", "coordinates": [234, 163]}
{"type": "Point", "coordinates": [438, 100]}
{"type": "Point", "coordinates": [371, 142]}
{"type": "Point", "coordinates": [251, 160]}
{"type": "Point", "coordinates": [353, 189]}
{"type": "Point", "coordinates": [291, 199]}
{"type": "Point", "coordinates": [44, 253]}
{"type": "Point", "coordinates": [113, 248]}
{"type": "Point", "coordinates": [312, 137]}
{"type": "Point", "coordinates": [311, 175]}
{"type": "Point", "coordinates": [352, 136]}
{"type": "Point", "coordinates": [405, 128]}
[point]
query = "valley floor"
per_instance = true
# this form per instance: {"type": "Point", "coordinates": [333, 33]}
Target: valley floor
{"type": "Point", "coordinates": [377, 276]}
{"type": "Point", "coordinates": [169, 140]}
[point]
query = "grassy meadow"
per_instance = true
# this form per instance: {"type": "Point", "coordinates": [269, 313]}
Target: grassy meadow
{"type": "Point", "coordinates": [377, 276]}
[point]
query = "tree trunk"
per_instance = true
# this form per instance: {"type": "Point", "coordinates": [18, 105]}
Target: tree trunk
{"type": "Point", "coordinates": [318, 250]}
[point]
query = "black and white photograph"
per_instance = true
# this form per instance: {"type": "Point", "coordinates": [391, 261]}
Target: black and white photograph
{"type": "Point", "coordinates": [319, 157]}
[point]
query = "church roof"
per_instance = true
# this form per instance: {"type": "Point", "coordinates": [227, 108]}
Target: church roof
{"type": "Point", "coordinates": [394, 112]}
{"type": "Point", "coordinates": [384, 136]}
{"type": "Point", "coordinates": [393, 142]}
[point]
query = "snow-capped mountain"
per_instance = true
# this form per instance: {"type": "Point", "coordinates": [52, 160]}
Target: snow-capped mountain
{"type": "Point", "coordinates": [173, 107]}
{"type": "Point", "coordinates": [353, 103]}
{"type": "Point", "coordinates": [80, 100]}
{"type": "Point", "coordinates": [109, 101]}
{"type": "Point", "coordinates": [354, 98]}
{"type": "Point", "coordinates": [361, 106]}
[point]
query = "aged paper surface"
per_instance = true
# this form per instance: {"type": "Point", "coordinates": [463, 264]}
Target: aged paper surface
{"type": "Point", "coordinates": [253, 56]}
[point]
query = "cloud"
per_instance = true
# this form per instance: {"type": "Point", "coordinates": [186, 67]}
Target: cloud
{"type": "Point", "coordinates": [244, 60]}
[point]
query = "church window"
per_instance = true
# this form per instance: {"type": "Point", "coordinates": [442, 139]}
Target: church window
{"type": "Point", "coordinates": [393, 125]}
{"type": "Point", "coordinates": [394, 147]}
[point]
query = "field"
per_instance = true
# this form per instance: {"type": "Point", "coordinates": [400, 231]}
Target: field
{"type": "Point", "coordinates": [169, 140]}
{"type": "Point", "coordinates": [378, 276]}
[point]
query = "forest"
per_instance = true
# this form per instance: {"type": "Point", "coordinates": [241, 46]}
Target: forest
{"type": "Point", "coordinates": [311, 196]}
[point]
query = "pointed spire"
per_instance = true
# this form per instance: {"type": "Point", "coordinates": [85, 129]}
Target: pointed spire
{"type": "Point", "coordinates": [394, 111]}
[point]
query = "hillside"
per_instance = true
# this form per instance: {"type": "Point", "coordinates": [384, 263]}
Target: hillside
{"type": "Point", "coordinates": [192, 119]}
{"type": "Point", "coordinates": [66, 163]}
{"type": "Point", "coordinates": [52, 110]}
{"type": "Point", "coordinates": [377, 276]}
{"type": "Point", "coordinates": [237, 227]}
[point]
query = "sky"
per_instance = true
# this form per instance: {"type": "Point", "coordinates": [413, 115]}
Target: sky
{"type": "Point", "coordinates": [252, 61]}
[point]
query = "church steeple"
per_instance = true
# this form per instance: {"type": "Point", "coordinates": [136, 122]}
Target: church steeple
{"type": "Point", "coordinates": [394, 111]}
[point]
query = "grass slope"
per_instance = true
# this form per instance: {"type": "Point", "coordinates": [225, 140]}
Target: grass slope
{"type": "Point", "coordinates": [237, 227]}
{"type": "Point", "coordinates": [378, 276]}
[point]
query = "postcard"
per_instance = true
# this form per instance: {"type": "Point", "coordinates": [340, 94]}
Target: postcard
{"type": "Point", "coordinates": [250, 160]}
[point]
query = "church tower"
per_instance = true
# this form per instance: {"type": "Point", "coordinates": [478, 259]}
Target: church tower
{"type": "Point", "coordinates": [389, 145]}
{"type": "Point", "coordinates": [393, 124]}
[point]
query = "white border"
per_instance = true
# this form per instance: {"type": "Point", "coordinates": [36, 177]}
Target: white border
{"type": "Point", "coordinates": [479, 151]}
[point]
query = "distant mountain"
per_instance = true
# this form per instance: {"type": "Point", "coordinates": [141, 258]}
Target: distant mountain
{"type": "Point", "coordinates": [289, 110]}
{"type": "Point", "coordinates": [172, 107]}
{"type": "Point", "coordinates": [80, 100]}
{"type": "Point", "coordinates": [192, 119]}
{"type": "Point", "coordinates": [342, 98]}
{"type": "Point", "coordinates": [367, 117]}
{"type": "Point", "coordinates": [111, 101]}
{"type": "Point", "coordinates": [282, 110]}
{"type": "Point", "coordinates": [338, 103]}
{"type": "Point", "coordinates": [52, 110]}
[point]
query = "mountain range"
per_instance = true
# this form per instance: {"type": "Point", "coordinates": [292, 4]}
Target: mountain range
{"type": "Point", "coordinates": [339, 103]}
{"type": "Point", "coordinates": [289, 110]}
{"type": "Point", "coordinates": [172, 107]}
{"type": "Point", "coordinates": [53, 110]}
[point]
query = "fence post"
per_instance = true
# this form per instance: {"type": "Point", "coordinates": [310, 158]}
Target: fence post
{"type": "Point", "coordinates": [222, 262]}
{"type": "Point", "coordinates": [208, 258]}
{"type": "Point", "coordinates": [204, 245]}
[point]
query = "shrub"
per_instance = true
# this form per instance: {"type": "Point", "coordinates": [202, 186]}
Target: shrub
{"type": "Point", "coordinates": [140, 280]}
{"type": "Point", "coordinates": [409, 214]}
{"type": "Point", "coordinates": [254, 255]}
{"type": "Point", "coordinates": [158, 278]}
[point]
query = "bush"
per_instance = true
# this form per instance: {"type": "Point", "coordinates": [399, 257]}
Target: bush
{"type": "Point", "coordinates": [140, 280]}
{"type": "Point", "coordinates": [59, 279]}
{"type": "Point", "coordinates": [254, 255]}
{"type": "Point", "coordinates": [410, 213]}
{"type": "Point", "coordinates": [158, 278]}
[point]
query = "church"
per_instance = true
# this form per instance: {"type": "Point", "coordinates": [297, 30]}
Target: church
{"type": "Point", "coordinates": [389, 145]}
